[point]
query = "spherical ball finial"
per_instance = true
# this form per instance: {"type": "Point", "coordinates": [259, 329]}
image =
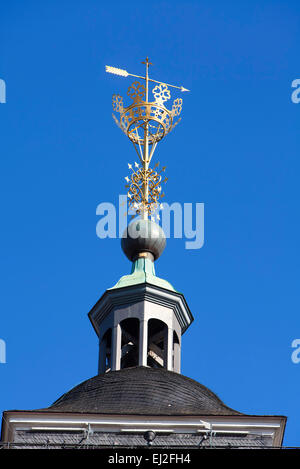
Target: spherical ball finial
{"type": "Point", "coordinates": [143, 236]}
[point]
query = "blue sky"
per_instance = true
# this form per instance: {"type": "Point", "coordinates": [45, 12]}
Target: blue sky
{"type": "Point", "coordinates": [236, 150]}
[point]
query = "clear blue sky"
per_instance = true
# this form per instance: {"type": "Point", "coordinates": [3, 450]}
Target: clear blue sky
{"type": "Point", "coordinates": [236, 150]}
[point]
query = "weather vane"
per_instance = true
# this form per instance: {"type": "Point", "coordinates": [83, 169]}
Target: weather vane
{"type": "Point", "coordinates": [145, 123]}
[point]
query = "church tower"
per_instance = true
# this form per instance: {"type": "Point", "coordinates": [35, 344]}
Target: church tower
{"type": "Point", "coordinates": [139, 396]}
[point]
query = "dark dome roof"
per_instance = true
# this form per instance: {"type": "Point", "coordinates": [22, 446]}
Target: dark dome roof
{"type": "Point", "coordinates": [141, 391]}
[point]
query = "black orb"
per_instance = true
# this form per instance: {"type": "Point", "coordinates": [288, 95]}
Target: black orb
{"type": "Point", "coordinates": [143, 236]}
{"type": "Point", "coordinates": [149, 437]}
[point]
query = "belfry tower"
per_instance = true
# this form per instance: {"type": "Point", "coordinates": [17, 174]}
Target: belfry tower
{"type": "Point", "coordinates": [139, 396]}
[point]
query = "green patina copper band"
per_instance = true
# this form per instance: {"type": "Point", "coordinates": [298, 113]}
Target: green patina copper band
{"type": "Point", "coordinates": [142, 271]}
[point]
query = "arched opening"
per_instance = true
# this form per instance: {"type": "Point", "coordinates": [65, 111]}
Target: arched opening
{"type": "Point", "coordinates": [157, 343]}
{"type": "Point", "coordinates": [176, 353]}
{"type": "Point", "coordinates": [105, 352]}
{"type": "Point", "coordinates": [130, 342]}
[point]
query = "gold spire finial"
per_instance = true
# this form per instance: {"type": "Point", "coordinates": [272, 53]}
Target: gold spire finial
{"type": "Point", "coordinates": [145, 123]}
{"type": "Point", "coordinates": [147, 62]}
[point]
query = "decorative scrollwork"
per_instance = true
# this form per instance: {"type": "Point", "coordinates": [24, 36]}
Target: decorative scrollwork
{"type": "Point", "coordinates": [138, 180]}
{"type": "Point", "coordinates": [136, 91]}
{"type": "Point", "coordinates": [154, 186]}
{"type": "Point", "coordinates": [177, 107]}
{"type": "Point", "coordinates": [117, 103]}
{"type": "Point", "coordinates": [157, 112]}
{"type": "Point", "coordinates": [161, 93]}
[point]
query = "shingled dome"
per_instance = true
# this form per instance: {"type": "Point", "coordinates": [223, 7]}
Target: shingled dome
{"type": "Point", "coordinates": [142, 391]}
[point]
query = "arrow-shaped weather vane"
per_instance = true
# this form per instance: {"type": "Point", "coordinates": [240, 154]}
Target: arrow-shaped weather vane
{"type": "Point", "coordinates": [124, 73]}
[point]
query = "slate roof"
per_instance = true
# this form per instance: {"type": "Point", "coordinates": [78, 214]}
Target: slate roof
{"type": "Point", "coordinates": [141, 391]}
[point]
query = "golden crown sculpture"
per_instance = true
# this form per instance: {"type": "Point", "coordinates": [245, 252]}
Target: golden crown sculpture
{"type": "Point", "coordinates": [133, 118]}
{"type": "Point", "coordinates": [145, 123]}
